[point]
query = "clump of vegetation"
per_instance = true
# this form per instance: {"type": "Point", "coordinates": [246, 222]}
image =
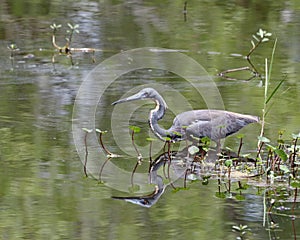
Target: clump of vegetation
{"type": "Point", "coordinates": [66, 48]}
{"type": "Point", "coordinates": [260, 37]}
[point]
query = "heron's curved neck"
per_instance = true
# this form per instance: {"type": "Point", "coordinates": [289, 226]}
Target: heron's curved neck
{"type": "Point", "coordinates": [157, 114]}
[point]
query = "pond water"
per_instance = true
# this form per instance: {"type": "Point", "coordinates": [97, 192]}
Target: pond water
{"type": "Point", "coordinates": [43, 190]}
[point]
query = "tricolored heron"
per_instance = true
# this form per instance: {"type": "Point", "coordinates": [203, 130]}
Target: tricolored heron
{"type": "Point", "coordinates": [194, 124]}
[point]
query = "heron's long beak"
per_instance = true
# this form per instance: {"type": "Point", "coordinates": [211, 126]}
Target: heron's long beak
{"type": "Point", "coordinates": [134, 97]}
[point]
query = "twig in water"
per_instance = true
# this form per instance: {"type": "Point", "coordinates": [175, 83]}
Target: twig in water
{"type": "Point", "coordinates": [87, 131]}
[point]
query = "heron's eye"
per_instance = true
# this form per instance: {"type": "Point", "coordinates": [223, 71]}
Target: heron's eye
{"type": "Point", "coordinates": [145, 94]}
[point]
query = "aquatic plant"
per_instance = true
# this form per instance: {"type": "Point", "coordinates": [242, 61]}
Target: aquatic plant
{"type": "Point", "coordinates": [260, 37]}
{"type": "Point", "coordinates": [67, 49]}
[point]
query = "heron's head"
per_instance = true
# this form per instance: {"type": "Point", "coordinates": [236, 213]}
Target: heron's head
{"type": "Point", "coordinates": [146, 93]}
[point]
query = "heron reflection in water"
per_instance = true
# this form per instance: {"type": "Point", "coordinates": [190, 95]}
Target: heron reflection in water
{"type": "Point", "coordinates": [194, 124]}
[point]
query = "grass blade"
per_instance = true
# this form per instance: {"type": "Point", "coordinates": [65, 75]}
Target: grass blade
{"type": "Point", "coordinates": [274, 91]}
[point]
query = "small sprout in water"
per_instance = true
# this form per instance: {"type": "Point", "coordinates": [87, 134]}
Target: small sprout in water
{"type": "Point", "coordinates": [262, 34]}
{"type": "Point", "coordinates": [55, 27]}
{"type": "Point", "coordinates": [87, 130]}
{"type": "Point", "coordinates": [73, 28]}
{"type": "Point", "coordinates": [135, 129]}
{"type": "Point", "coordinates": [167, 139]}
{"type": "Point", "coordinates": [241, 229]}
{"type": "Point", "coordinates": [13, 47]}
{"type": "Point", "coordinates": [100, 131]}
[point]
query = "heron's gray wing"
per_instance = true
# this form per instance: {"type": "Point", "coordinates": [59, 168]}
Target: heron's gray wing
{"type": "Point", "coordinates": [219, 126]}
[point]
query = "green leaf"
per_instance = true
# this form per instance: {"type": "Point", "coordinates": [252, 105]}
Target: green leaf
{"type": "Point", "coordinates": [167, 139]}
{"type": "Point", "coordinates": [220, 195]}
{"type": "Point", "coordinates": [135, 129]}
{"type": "Point", "coordinates": [263, 139]}
{"type": "Point", "coordinates": [274, 91]}
{"type": "Point", "coordinates": [228, 163]}
{"type": "Point", "coordinates": [150, 139]}
{"type": "Point", "coordinates": [240, 197]}
{"type": "Point", "coordinates": [295, 184]}
{"type": "Point", "coordinates": [282, 154]}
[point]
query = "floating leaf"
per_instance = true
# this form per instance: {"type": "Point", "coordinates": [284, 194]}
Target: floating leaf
{"type": "Point", "coordinates": [220, 195]}
{"type": "Point", "coordinates": [193, 150]}
{"type": "Point", "coordinates": [240, 197]}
